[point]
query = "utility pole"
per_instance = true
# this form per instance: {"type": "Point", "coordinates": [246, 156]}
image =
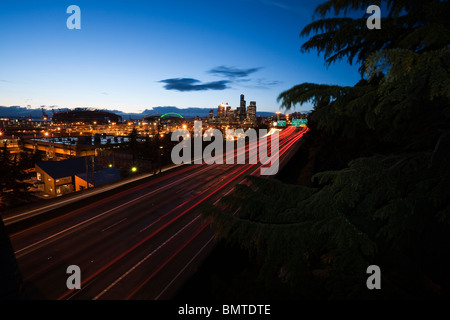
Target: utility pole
{"type": "Point", "coordinates": [87, 172]}
{"type": "Point", "coordinates": [159, 147]}
{"type": "Point", "coordinates": [93, 171]}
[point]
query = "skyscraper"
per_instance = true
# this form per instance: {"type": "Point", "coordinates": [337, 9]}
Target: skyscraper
{"type": "Point", "coordinates": [251, 111]}
{"type": "Point", "coordinates": [211, 114]}
{"type": "Point", "coordinates": [229, 113]}
{"type": "Point", "coordinates": [221, 111]}
{"type": "Point", "coordinates": [242, 109]}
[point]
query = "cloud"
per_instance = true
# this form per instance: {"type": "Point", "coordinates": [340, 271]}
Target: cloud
{"type": "Point", "coordinates": [268, 83]}
{"type": "Point", "coordinates": [299, 8]}
{"type": "Point", "coordinates": [277, 4]}
{"type": "Point", "coordinates": [259, 83]}
{"type": "Point", "coordinates": [189, 84]}
{"type": "Point", "coordinates": [233, 73]}
{"type": "Point", "coordinates": [236, 76]}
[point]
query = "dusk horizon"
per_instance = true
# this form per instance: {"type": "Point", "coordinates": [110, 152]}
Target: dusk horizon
{"type": "Point", "coordinates": [131, 56]}
{"type": "Point", "coordinates": [234, 158]}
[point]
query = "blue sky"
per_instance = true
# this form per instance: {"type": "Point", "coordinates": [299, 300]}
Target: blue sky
{"type": "Point", "coordinates": [134, 55]}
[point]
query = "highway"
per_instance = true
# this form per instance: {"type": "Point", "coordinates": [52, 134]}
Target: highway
{"type": "Point", "coordinates": [140, 243]}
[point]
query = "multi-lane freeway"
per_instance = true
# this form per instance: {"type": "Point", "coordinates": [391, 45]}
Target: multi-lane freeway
{"type": "Point", "coordinates": [140, 243]}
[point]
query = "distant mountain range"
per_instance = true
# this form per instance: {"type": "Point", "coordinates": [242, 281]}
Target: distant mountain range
{"type": "Point", "coordinates": [16, 112]}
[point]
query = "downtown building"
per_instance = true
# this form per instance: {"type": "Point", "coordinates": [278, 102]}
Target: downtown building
{"type": "Point", "coordinates": [242, 108]}
{"type": "Point", "coordinates": [221, 109]}
{"type": "Point", "coordinates": [251, 112]}
{"type": "Point", "coordinates": [229, 113]}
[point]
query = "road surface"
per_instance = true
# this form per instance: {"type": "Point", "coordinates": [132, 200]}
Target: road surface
{"type": "Point", "coordinates": [140, 243]}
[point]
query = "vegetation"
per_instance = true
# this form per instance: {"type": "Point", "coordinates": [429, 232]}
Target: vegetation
{"type": "Point", "coordinates": [149, 154]}
{"type": "Point", "coordinates": [13, 189]}
{"type": "Point", "coordinates": [377, 155]}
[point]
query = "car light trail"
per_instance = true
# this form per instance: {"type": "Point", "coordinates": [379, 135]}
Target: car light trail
{"type": "Point", "coordinates": [169, 234]}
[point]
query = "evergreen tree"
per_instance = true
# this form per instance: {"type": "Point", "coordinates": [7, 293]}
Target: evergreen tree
{"type": "Point", "coordinates": [380, 193]}
{"type": "Point", "coordinates": [133, 143]}
{"type": "Point", "coordinates": [12, 174]}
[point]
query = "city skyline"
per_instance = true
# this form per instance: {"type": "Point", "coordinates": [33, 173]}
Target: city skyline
{"type": "Point", "coordinates": [199, 151]}
{"type": "Point", "coordinates": [132, 56]}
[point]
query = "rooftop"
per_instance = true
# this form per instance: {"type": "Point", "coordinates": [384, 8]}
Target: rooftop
{"type": "Point", "coordinates": [65, 168]}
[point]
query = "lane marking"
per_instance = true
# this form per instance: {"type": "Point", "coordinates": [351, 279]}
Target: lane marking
{"type": "Point", "coordinates": [123, 276]}
{"type": "Point", "coordinates": [75, 199]}
{"type": "Point", "coordinates": [102, 214]}
{"type": "Point", "coordinates": [104, 267]}
{"type": "Point", "coordinates": [114, 224]}
{"type": "Point", "coordinates": [184, 268]}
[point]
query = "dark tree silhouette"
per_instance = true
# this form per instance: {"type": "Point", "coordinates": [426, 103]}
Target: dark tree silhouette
{"type": "Point", "coordinates": [380, 190]}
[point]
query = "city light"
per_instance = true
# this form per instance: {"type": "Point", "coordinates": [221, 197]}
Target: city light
{"type": "Point", "coordinates": [76, 148]}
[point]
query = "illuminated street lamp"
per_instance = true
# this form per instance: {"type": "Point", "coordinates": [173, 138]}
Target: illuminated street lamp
{"type": "Point", "coordinates": [278, 115]}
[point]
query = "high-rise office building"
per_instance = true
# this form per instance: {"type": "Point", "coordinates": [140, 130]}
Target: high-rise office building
{"type": "Point", "coordinates": [242, 109]}
{"type": "Point", "coordinates": [229, 113]}
{"type": "Point", "coordinates": [251, 111]}
{"type": "Point", "coordinates": [228, 110]}
{"type": "Point", "coordinates": [221, 111]}
{"type": "Point", "coordinates": [211, 114]}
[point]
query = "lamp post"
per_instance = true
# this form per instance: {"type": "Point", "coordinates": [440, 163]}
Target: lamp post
{"type": "Point", "coordinates": [160, 147]}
